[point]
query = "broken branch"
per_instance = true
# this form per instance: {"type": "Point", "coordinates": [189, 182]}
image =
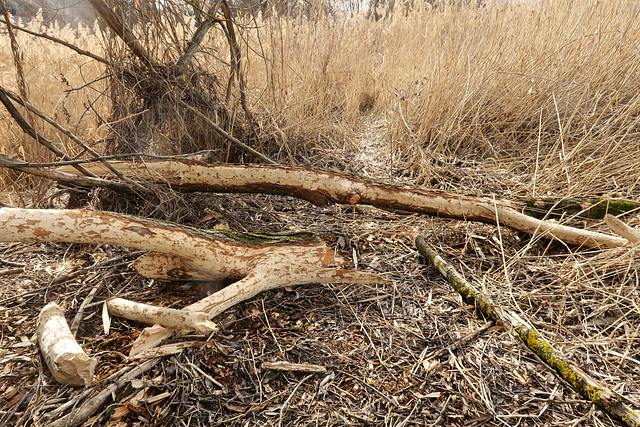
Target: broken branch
{"type": "Point", "coordinates": [66, 360]}
{"type": "Point", "coordinates": [167, 317]}
{"type": "Point", "coordinates": [606, 399]}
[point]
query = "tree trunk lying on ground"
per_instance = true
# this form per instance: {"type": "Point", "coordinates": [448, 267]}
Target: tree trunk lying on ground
{"type": "Point", "coordinates": [321, 188]}
{"type": "Point", "coordinates": [182, 253]}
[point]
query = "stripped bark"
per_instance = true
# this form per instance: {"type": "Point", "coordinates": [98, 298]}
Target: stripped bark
{"type": "Point", "coordinates": [167, 317]}
{"type": "Point", "coordinates": [183, 253]}
{"type": "Point", "coordinates": [193, 253]}
{"type": "Point", "coordinates": [66, 360]}
{"type": "Point", "coordinates": [631, 234]}
{"type": "Point", "coordinates": [321, 188]}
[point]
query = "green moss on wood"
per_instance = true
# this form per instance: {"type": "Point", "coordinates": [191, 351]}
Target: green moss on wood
{"type": "Point", "coordinates": [608, 401]}
{"type": "Point", "coordinates": [581, 207]}
{"type": "Point", "coordinates": [236, 236]}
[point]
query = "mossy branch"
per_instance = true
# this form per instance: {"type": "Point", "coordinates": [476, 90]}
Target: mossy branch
{"type": "Point", "coordinates": [606, 399]}
{"type": "Point", "coordinates": [581, 207]}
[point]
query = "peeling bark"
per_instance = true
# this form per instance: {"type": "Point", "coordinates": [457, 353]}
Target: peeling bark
{"type": "Point", "coordinates": [183, 253]}
{"type": "Point", "coordinates": [167, 317]}
{"type": "Point", "coordinates": [322, 188]}
{"type": "Point", "coordinates": [66, 360]}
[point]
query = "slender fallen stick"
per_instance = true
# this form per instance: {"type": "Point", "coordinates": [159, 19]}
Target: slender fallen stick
{"type": "Point", "coordinates": [94, 404]}
{"type": "Point", "coordinates": [67, 178]}
{"type": "Point", "coordinates": [609, 401]}
{"type": "Point", "coordinates": [631, 234]}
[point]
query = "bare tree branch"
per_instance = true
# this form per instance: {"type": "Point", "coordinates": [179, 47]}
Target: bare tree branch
{"type": "Point", "coordinates": [63, 43]}
{"type": "Point", "coordinates": [226, 135]}
{"type": "Point", "coordinates": [115, 23]}
{"type": "Point", "coordinates": [63, 177]}
{"type": "Point", "coordinates": [29, 130]}
{"type": "Point", "coordinates": [198, 36]}
{"type": "Point", "coordinates": [71, 136]}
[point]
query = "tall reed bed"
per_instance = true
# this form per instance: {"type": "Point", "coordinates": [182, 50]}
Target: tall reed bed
{"type": "Point", "coordinates": [60, 83]}
{"type": "Point", "coordinates": [548, 92]}
{"type": "Point", "coordinates": [550, 89]}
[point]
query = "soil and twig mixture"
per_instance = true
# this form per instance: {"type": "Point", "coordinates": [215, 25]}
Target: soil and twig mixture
{"type": "Point", "coordinates": [408, 353]}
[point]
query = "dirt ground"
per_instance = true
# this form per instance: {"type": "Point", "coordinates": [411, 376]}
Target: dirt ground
{"type": "Point", "coordinates": [408, 353]}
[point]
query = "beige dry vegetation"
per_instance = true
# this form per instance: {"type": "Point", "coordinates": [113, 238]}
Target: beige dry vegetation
{"type": "Point", "coordinates": [57, 84]}
{"type": "Point", "coordinates": [524, 99]}
{"type": "Point", "coordinates": [546, 91]}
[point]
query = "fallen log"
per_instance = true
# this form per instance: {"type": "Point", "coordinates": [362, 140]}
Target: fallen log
{"type": "Point", "coordinates": [66, 360]}
{"type": "Point", "coordinates": [168, 317]}
{"type": "Point", "coordinates": [182, 253]}
{"type": "Point", "coordinates": [322, 188]}
{"type": "Point", "coordinates": [257, 262]}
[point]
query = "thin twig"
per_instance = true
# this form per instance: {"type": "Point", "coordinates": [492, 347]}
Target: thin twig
{"type": "Point", "coordinates": [225, 135]}
{"type": "Point", "coordinates": [63, 43]}
{"type": "Point", "coordinates": [29, 130]}
{"type": "Point", "coordinates": [81, 181]}
{"type": "Point", "coordinates": [286, 403]}
{"type": "Point", "coordinates": [71, 136]}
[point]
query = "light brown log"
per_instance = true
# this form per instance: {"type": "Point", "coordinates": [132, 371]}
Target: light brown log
{"type": "Point", "coordinates": [321, 188]}
{"type": "Point", "coordinates": [182, 253]}
{"type": "Point", "coordinates": [167, 317]}
{"type": "Point", "coordinates": [66, 360]}
{"type": "Point", "coordinates": [202, 256]}
{"type": "Point", "coordinates": [632, 235]}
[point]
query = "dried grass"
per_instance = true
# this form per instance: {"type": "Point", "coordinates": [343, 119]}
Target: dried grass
{"type": "Point", "coordinates": [511, 100]}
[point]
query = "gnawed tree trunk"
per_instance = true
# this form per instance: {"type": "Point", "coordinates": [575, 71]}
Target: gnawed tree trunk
{"type": "Point", "coordinates": [183, 253]}
{"type": "Point", "coordinates": [66, 360]}
{"type": "Point", "coordinates": [321, 188]}
{"type": "Point", "coordinates": [257, 262]}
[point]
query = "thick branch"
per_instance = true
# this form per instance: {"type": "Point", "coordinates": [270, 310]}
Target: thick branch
{"type": "Point", "coordinates": [321, 188]}
{"type": "Point", "coordinates": [185, 252]}
{"type": "Point", "coordinates": [608, 400]}
{"type": "Point", "coordinates": [581, 207]}
{"type": "Point", "coordinates": [118, 27]}
{"type": "Point", "coordinates": [181, 253]}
